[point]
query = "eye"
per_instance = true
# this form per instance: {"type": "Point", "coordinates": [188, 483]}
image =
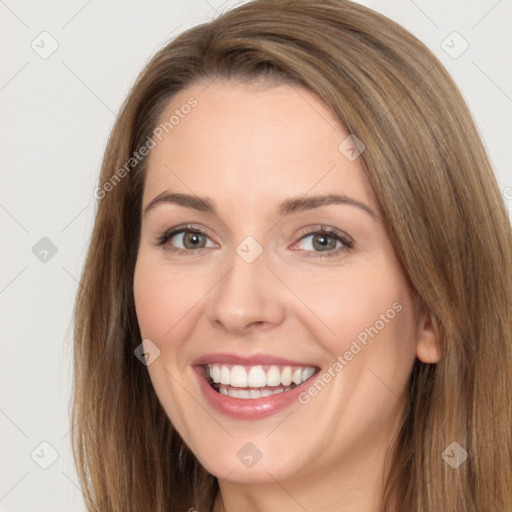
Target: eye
{"type": "Point", "coordinates": [325, 240]}
{"type": "Point", "coordinates": [190, 238]}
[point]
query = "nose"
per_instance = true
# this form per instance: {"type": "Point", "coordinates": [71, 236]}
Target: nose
{"type": "Point", "coordinates": [249, 297]}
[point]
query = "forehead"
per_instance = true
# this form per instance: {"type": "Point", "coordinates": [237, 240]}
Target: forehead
{"type": "Point", "coordinates": [246, 142]}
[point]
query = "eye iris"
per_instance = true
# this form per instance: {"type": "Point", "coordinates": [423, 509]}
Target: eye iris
{"type": "Point", "coordinates": [190, 236]}
{"type": "Point", "coordinates": [322, 238]}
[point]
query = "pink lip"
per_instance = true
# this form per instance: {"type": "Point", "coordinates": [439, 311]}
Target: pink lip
{"type": "Point", "coordinates": [247, 409]}
{"type": "Point", "coordinates": [246, 360]}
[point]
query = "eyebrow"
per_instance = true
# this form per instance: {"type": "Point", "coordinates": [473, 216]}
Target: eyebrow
{"type": "Point", "coordinates": [287, 207]}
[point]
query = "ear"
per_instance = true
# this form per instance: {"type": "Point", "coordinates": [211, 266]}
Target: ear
{"type": "Point", "coordinates": [428, 349]}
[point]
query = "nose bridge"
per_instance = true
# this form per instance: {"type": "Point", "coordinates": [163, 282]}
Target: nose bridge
{"type": "Point", "coordinates": [247, 294]}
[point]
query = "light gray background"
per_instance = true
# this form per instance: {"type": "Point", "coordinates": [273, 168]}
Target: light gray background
{"type": "Point", "coordinates": [56, 114]}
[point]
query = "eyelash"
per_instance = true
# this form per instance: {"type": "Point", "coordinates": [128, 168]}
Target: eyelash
{"type": "Point", "coordinates": [322, 230]}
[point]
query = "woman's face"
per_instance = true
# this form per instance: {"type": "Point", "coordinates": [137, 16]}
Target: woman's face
{"type": "Point", "coordinates": [272, 274]}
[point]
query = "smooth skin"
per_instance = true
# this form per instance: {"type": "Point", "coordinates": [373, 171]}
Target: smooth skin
{"type": "Point", "coordinates": [248, 147]}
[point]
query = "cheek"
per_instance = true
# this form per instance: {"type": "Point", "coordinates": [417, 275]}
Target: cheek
{"type": "Point", "coordinates": [350, 301]}
{"type": "Point", "coordinates": [366, 318]}
{"type": "Point", "coordinates": [164, 298]}
{"type": "Point", "coordinates": [150, 300]}
{"type": "Point", "coordinates": [163, 302]}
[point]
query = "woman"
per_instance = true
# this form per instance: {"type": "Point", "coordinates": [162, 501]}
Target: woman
{"type": "Point", "coordinates": [297, 294]}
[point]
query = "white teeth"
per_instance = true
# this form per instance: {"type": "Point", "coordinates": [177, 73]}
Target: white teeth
{"type": "Point", "coordinates": [239, 376]}
{"type": "Point", "coordinates": [215, 373]}
{"type": "Point", "coordinates": [307, 373]}
{"type": "Point", "coordinates": [250, 393]}
{"type": "Point", "coordinates": [286, 376]}
{"type": "Point", "coordinates": [273, 376]}
{"type": "Point", "coordinates": [257, 378]}
{"type": "Point", "coordinates": [225, 375]}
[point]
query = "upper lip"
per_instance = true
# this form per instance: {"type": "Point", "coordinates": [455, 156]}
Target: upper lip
{"type": "Point", "coordinates": [246, 360]}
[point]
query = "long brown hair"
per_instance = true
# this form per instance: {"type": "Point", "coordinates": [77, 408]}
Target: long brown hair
{"type": "Point", "coordinates": [445, 217]}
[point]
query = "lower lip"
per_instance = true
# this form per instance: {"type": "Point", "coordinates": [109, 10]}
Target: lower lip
{"type": "Point", "coordinates": [247, 408]}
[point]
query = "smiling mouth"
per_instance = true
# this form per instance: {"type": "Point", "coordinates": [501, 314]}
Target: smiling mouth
{"type": "Point", "coordinates": [252, 382]}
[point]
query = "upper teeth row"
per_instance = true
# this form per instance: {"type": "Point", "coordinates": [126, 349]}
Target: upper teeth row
{"type": "Point", "coordinates": [257, 377]}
